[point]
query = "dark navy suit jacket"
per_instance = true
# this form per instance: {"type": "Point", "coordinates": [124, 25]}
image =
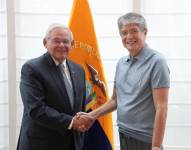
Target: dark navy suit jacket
{"type": "Point", "coordinates": [47, 110]}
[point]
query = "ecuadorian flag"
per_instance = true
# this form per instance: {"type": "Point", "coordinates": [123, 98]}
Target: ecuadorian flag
{"type": "Point", "coordinates": [85, 52]}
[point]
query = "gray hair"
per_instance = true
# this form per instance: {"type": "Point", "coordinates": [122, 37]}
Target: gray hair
{"type": "Point", "coordinates": [132, 18]}
{"type": "Point", "coordinates": [53, 26]}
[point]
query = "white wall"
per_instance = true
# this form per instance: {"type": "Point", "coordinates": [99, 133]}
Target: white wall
{"type": "Point", "coordinates": [169, 24]}
{"type": "Point", "coordinates": [3, 79]}
{"type": "Point", "coordinates": [169, 33]}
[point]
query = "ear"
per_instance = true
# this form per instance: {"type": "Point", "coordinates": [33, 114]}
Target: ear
{"type": "Point", "coordinates": [146, 31]}
{"type": "Point", "coordinates": [44, 42]}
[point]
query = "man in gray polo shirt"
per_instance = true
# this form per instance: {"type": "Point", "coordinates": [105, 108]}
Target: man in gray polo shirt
{"type": "Point", "coordinates": [140, 92]}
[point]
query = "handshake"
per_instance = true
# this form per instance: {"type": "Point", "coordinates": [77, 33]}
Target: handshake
{"type": "Point", "coordinates": [82, 121]}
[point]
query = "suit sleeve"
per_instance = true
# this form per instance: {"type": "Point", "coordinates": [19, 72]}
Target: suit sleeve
{"type": "Point", "coordinates": [34, 100]}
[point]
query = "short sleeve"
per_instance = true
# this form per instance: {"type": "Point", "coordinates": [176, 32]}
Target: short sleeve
{"type": "Point", "coordinates": [160, 75]}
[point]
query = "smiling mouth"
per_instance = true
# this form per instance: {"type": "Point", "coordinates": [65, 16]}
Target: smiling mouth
{"type": "Point", "coordinates": [131, 42]}
{"type": "Point", "coordinates": [62, 51]}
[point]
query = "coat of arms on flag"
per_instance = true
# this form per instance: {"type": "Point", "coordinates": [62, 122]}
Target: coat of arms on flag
{"type": "Point", "coordinates": [85, 52]}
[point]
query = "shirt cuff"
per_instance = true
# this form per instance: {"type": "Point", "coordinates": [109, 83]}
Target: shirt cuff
{"type": "Point", "coordinates": [70, 126]}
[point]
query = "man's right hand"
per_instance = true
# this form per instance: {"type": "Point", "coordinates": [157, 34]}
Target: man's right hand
{"type": "Point", "coordinates": [82, 121]}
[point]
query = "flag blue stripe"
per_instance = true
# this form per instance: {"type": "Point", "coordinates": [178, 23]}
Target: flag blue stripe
{"type": "Point", "coordinates": [95, 139]}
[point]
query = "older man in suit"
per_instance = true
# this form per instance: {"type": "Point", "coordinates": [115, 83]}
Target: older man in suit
{"type": "Point", "coordinates": [53, 91]}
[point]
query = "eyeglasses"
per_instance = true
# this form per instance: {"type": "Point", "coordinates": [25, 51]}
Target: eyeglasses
{"type": "Point", "coordinates": [132, 32]}
{"type": "Point", "coordinates": [58, 41]}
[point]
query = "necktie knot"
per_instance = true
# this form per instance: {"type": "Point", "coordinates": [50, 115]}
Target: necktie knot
{"type": "Point", "coordinates": [62, 66]}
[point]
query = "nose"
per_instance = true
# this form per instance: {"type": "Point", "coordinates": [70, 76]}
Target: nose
{"type": "Point", "coordinates": [61, 44]}
{"type": "Point", "coordinates": [127, 36]}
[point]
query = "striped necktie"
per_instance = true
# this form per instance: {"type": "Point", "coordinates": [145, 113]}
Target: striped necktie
{"type": "Point", "coordinates": [68, 86]}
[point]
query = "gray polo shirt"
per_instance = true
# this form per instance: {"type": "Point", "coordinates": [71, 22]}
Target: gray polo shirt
{"type": "Point", "coordinates": [134, 80]}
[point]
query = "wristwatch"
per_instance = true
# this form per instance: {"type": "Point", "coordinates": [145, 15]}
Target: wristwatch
{"type": "Point", "coordinates": [156, 148]}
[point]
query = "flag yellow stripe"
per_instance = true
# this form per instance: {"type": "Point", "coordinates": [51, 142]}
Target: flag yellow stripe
{"type": "Point", "coordinates": [85, 51]}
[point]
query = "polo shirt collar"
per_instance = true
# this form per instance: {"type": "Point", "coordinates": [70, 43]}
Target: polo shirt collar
{"type": "Point", "coordinates": [144, 54]}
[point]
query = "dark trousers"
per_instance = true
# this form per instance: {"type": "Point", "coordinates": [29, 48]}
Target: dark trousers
{"type": "Point", "coordinates": [129, 143]}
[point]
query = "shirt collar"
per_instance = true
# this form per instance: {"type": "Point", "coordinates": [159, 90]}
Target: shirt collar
{"type": "Point", "coordinates": [128, 58]}
{"type": "Point", "coordinates": [57, 62]}
{"type": "Point", "coordinates": [144, 53]}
